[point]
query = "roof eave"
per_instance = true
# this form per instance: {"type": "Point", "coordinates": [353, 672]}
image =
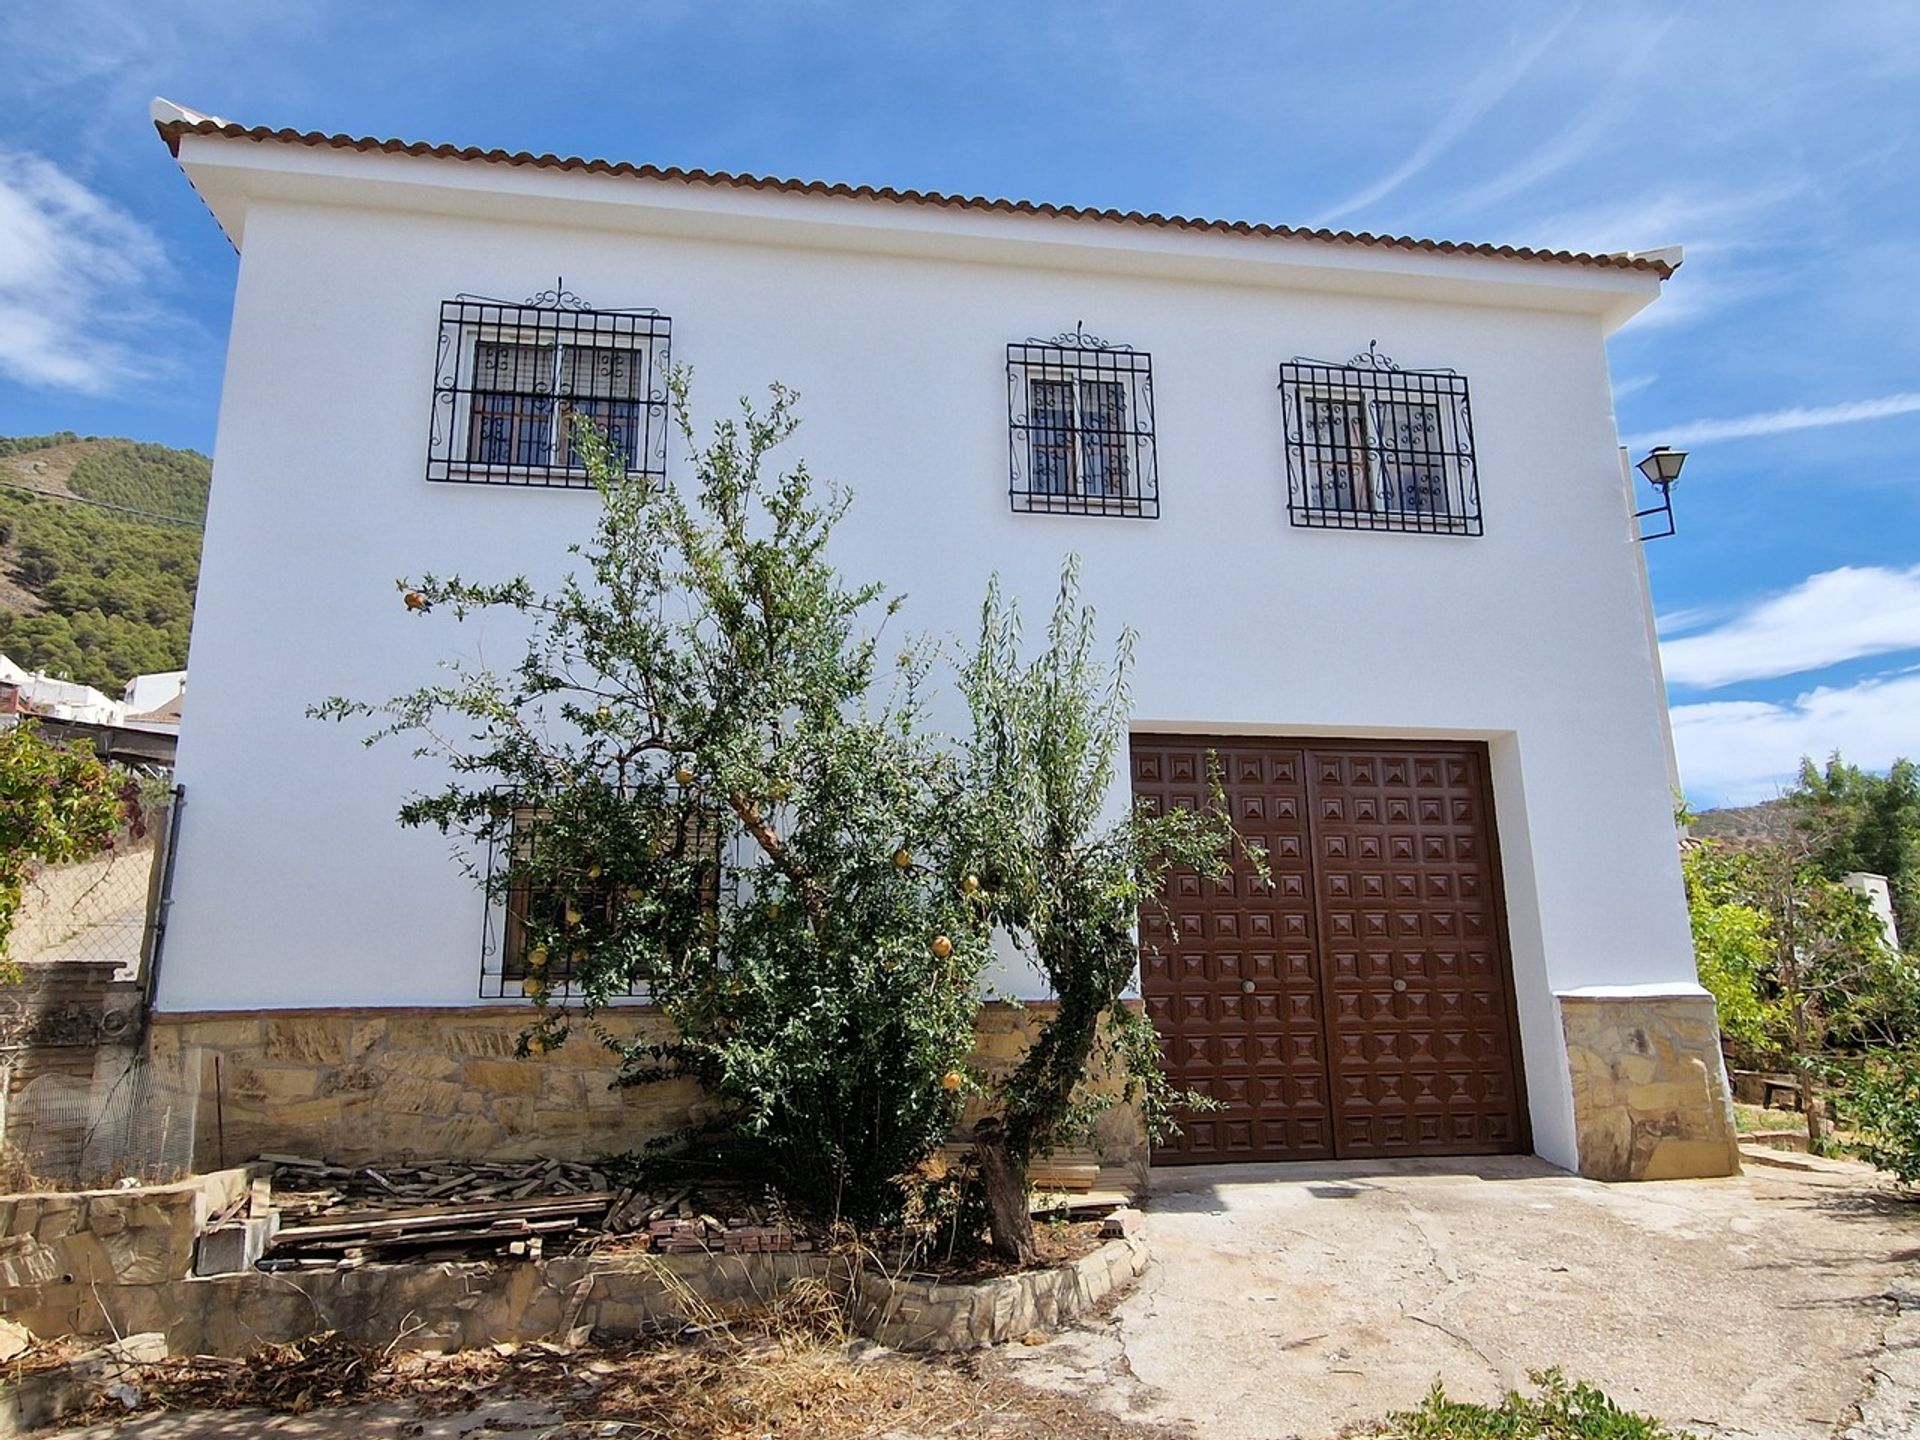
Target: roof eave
{"type": "Point", "coordinates": [175, 122]}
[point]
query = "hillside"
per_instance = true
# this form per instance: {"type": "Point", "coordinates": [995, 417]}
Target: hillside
{"type": "Point", "coordinates": [1743, 825]}
{"type": "Point", "coordinates": [95, 593]}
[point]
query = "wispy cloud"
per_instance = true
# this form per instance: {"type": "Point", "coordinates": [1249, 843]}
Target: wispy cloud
{"type": "Point", "coordinates": [1598, 122]}
{"type": "Point", "coordinates": [1483, 92]}
{"type": "Point", "coordinates": [1829, 618]}
{"type": "Point", "coordinates": [1632, 385]}
{"type": "Point", "coordinates": [1733, 752]}
{"type": "Point", "coordinates": [1777, 422]}
{"type": "Point", "coordinates": [76, 273]}
{"type": "Point", "coordinates": [1687, 617]}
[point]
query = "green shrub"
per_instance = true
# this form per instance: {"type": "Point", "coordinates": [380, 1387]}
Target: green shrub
{"type": "Point", "coordinates": [1560, 1411]}
{"type": "Point", "coordinates": [734, 804]}
{"type": "Point", "coordinates": [1066, 881]}
{"type": "Point", "coordinates": [57, 804]}
{"type": "Point", "coordinates": [1884, 1106]}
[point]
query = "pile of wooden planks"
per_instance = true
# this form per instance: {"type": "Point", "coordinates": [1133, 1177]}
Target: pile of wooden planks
{"type": "Point", "coordinates": [306, 1188]}
{"type": "Point", "coordinates": [462, 1231]}
{"type": "Point", "coordinates": [332, 1215]}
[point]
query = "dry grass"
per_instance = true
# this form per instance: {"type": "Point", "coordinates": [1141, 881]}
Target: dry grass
{"type": "Point", "coordinates": [785, 1370]}
{"type": "Point", "coordinates": [17, 1176]}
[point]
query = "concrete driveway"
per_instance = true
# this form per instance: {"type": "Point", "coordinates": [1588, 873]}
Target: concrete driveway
{"type": "Point", "coordinates": [1295, 1300]}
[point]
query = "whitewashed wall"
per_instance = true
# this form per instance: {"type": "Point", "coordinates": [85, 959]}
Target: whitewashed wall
{"type": "Point", "coordinates": [296, 888]}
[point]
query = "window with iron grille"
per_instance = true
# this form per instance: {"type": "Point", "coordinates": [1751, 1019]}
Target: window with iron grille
{"type": "Point", "coordinates": [512, 958]}
{"type": "Point", "coordinates": [1373, 447]}
{"type": "Point", "coordinates": [510, 381]}
{"type": "Point", "coordinates": [1080, 417]}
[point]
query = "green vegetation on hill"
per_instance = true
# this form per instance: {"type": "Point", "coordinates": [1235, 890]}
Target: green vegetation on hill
{"type": "Point", "coordinates": [152, 478]}
{"type": "Point", "coordinates": [98, 595]}
{"type": "Point", "coordinates": [23, 444]}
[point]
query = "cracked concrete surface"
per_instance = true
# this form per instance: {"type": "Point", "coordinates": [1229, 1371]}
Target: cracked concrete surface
{"type": "Point", "coordinates": [1294, 1300]}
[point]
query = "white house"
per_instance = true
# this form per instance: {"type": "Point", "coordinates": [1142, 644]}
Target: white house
{"type": "Point", "coordinates": [44, 694]}
{"type": "Point", "coordinates": [1360, 496]}
{"type": "Point", "coordinates": [144, 694]}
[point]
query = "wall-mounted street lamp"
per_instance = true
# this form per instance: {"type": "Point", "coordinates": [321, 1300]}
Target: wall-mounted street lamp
{"type": "Point", "coordinates": [1662, 469]}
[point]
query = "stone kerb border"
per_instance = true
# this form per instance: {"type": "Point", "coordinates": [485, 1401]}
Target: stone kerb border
{"type": "Point", "coordinates": [454, 1306]}
{"type": "Point", "coordinates": [924, 1315]}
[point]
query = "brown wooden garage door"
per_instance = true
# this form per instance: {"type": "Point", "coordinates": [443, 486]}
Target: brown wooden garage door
{"type": "Point", "coordinates": [1358, 1003]}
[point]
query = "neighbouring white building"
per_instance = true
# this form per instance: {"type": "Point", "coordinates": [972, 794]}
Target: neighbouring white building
{"type": "Point", "coordinates": [43, 694]}
{"type": "Point", "coordinates": [145, 694]}
{"type": "Point", "coordinates": [1361, 497]}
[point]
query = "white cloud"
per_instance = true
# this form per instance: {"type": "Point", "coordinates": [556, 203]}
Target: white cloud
{"type": "Point", "coordinates": [1828, 618]}
{"type": "Point", "coordinates": [76, 274]}
{"type": "Point", "coordinates": [1775, 422]}
{"type": "Point", "coordinates": [1687, 617]}
{"type": "Point", "coordinates": [1734, 752]}
{"type": "Point", "coordinates": [1632, 385]}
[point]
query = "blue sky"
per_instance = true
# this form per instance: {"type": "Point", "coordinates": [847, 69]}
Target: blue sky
{"type": "Point", "coordinates": [1778, 147]}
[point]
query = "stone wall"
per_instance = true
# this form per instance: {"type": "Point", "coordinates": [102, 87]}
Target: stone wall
{"type": "Point", "coordinates": [357, 1086]}
{"type": "Point", "coordinates": [69, 1040]}
{"type": "Point", "coordinates": [1005, 1033]}
{"type": "Point", "coordinates": [66, 1243]}
{"type": "Point", "coordinates": [1650, 1096]}
{"type": "Point", "coordinates": [456, 1306]}
{"type": "Point", "coordinates": [360, 1086]}
{"type": "Point", "coordinates": [119, 1262]}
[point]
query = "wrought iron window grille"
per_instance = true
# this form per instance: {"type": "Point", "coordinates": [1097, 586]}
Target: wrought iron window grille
{"type": "Point", "coordinates": [510, 380]}
{"type": "Point", "coordinates": [1081, 427]}
{"type": "Point", "coordinates": [510, 963]}
{"type": "Point", "coordinates": [1371, 446]}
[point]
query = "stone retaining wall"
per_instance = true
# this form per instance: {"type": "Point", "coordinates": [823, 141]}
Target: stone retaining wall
{"type": "Point", "coordinates": [361, 1086]}
{"type": "Point", "coordinates": [358, 1086]}
{"type": "Point", "coordinates": [1650, 1096]}
{"type": "Point", "coordinates": [459, 1306]}
{"type": "Point", "coordinates": [60, 1243]}
{"type": "Point", "coordinates": [923, 1315]}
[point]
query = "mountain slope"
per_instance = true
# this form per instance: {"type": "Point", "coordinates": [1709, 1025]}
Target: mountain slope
{"type": "Point", "coordinates": [1741, 826]}
{"type": "Point", "coordinates": [98, 591]}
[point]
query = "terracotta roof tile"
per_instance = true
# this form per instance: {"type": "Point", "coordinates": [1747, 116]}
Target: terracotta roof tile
{"type": "Point", "coordinates": [172, 130]}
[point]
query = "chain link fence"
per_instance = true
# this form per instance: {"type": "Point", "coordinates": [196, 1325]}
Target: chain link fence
{"type": "Point", "coordinates": [96, 1123]}
{"type": "Point", "coordinates": [93, 910]}
{"type": "Point", "coordinates": [80, 1102]}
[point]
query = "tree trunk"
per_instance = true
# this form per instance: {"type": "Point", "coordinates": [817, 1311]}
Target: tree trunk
{"type": "Point", "coordinates": [1814, 1104]}
{"type": "Point", "coordinates": [1009, 1220]}
{"type": "Point", "coordinates": [1811, 1105]}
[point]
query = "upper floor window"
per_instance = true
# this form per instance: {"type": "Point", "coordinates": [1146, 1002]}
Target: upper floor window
{"type": "Point", "coordinates": [1080, 415]}
{"type": "Point", "coordinates": [511, 382]}
{"type": "Point", "coordinates": [1373, 447]}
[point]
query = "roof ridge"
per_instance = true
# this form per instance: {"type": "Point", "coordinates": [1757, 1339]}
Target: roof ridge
{"type": "Point", "coordinates": [175, 125]}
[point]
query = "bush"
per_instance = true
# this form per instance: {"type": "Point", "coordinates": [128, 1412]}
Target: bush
{"type": "Point", "coordinates": [57, 804]}
{"type": "Point", "coordinates": [732, 807]}
{"type": "Point", "coordinates": [1561, 1411]}
{"type": "Point", "coordinates": [1885, 1108]}
{"type": "Point", "coordinates": [1066, 882]}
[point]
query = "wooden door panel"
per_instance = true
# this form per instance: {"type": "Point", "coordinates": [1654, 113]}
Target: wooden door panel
{"type": "Point", "coordinates": [1358, 1002]}
{"type": "Point", "coordinates": [1422, 1054]}
{"type": "Point", "coordinates": [1231, 964]}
